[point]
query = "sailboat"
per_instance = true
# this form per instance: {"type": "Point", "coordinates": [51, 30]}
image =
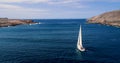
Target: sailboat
{"type": "Point", "coordinates": [79, 43]}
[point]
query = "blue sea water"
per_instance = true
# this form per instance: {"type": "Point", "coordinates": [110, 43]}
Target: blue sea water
{"type": "Point", "coordinates": [54, 41]}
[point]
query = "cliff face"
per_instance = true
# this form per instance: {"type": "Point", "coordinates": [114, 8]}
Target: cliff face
{"type": "Point", "coordinates": [4, 22]}
{"type": "Point", "coordinates": [108, 18]}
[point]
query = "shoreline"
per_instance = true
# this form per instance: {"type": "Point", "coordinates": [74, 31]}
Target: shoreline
{"type": "Point", "coordinates": [5, 22]}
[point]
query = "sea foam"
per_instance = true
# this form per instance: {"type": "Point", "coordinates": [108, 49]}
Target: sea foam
{"type": "Point", "coordinates": [36, 23]}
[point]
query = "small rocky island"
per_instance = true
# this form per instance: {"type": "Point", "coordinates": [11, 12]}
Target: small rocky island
{"type": "Point", "coordinates": [5, 22]}
{"type": "Point", "coordinates": [109, 18]}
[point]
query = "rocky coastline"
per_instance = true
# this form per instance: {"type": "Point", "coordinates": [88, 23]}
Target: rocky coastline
{"type": "Point", "coordinates": [5, 22]}
{"type": "Point", "coordinates": [111, 18]}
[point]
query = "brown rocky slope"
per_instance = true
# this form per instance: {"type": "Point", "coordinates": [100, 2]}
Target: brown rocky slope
{"type": "Point", "coordinates": [109, 18]}
{"type": "Point", "coordinates": [5, 22]}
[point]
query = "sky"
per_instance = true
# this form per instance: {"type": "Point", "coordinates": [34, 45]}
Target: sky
{"type": "Point", "coordinates": [55, 9]}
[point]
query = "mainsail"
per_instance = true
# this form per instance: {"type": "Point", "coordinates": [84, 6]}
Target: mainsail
{"type": "Point", "coordinates": [79, 43]}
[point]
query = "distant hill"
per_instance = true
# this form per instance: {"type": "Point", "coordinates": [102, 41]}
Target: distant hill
{"type": "Point", "coordinates": [108, 18]}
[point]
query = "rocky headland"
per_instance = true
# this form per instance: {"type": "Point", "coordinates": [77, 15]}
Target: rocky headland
{"type": "Point", "coordinates": [109, 18]}
{"type": "Point", "coordinates": [5, 22]}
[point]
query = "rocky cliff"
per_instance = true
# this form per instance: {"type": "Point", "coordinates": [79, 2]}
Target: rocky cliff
{"type": "Point", "coordinates": [108, 18]}
{"type": "Point", "coordinates": [4, 22]}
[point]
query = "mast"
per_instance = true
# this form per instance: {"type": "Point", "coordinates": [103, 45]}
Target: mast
{"type": "Point", "coordinates": [79, 43]}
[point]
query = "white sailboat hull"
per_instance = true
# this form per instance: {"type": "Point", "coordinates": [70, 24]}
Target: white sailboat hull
{"type": "Point", "coordinates": [81, 48]}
